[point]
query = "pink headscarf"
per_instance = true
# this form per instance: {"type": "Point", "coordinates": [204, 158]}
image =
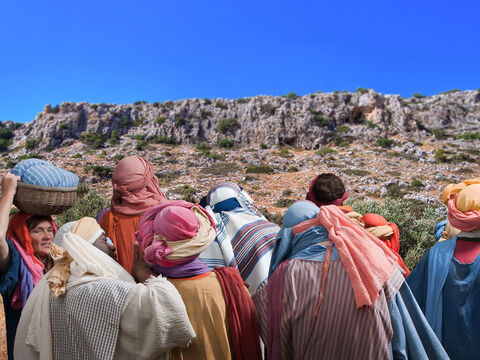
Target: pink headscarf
{"type": "Point", "coordinates": [174, 222]}
{"type": "Point", "coordinates": [135, 186]}
{"type": "Point", "coordinates": [312, 198]}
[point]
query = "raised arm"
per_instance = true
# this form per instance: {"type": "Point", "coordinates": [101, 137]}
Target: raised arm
{"type": "Point", "coordinates": [9, 188]}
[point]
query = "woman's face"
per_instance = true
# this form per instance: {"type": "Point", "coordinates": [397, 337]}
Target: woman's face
{"type": "Point", "coordinates": [42, 237]}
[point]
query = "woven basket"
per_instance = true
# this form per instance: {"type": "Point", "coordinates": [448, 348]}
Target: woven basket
{"type": "Point", "coordinates": [44, 200]}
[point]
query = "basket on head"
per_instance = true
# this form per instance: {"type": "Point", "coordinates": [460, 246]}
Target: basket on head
{"type": "Point", "coordinates": [44, 200]}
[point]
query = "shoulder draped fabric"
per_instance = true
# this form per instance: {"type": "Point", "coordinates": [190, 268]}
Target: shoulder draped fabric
{"type": "Point", "coordinates": [242, 321]}
{"type": "Point", "coordinates": [285, 305]}
{"type": "Point", "coordinates": [245, 239]}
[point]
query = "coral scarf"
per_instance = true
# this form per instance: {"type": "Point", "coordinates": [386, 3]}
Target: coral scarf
{"type": "Point", "coordinates": [368, 262]}
{"type": "Point", "coordinates": [242, 321]}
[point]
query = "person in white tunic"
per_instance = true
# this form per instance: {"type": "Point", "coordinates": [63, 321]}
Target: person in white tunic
{"type": "Point", "coordinates": [89, 307]}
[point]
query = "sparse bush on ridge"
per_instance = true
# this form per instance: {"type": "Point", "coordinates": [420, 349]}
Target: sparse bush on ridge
{"type": "Point", "coordinates": [260, 169]}
{"type": "Point", "coordinates": [226, 143]}
{"type": "Point", "coordinates": [227, 125]}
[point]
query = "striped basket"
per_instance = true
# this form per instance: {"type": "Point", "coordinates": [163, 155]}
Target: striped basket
{"type": "Point", "coordinates": [44, 200]}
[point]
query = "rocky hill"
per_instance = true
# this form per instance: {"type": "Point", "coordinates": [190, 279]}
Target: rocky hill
{"type": "Point", "coordinates": [380, 145]}
{"type": "Point", "coordinates": [307, 122]}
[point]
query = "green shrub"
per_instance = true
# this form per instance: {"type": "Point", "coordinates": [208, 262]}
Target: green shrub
{"type": "Point", "coordinates": [29, 156]}
{"type": "Point", "coordinates": [94, 106]}
{"type": "Point", "coordinates": [54, 110]}
{"type": "Point", "coordinates": [77, 156]}
{"type": "Point", "coordinates": [114, 139]}
{"type": "Point", "coordinates": [6, 133]}
{"type": "Point", "coordinates": [17, 125]}
{"type": "Point", "coordinates": [259, 169]}
{"type": "Point", "coordinates": [168, 104]}
{"type": "Point", "coordinates": [88, 205]}
{"type": "Point", "coordinates": [267, 109]}
{"type": "Point", "coordinates": [370, 124]}
{"type": "Point", "coordinates": [284, 203]}
{"type": "Point", "coordinates": [243, 100]}
{"type": "Point", "coordinates": [319, 120]}
{"type": "Point", "coordinates": [180, 121]}
{"type": "Point", "coordinates": [283, 152]}
{"type": "Point", "coordinates": [207, 101]}
{"type": "Point", "coordinates": [292, 169]}
{"type": "Point", "coordinates": [187, 192]}
{"type": "Point", "coordinates": [361, 90]}
{"type": "Point", "coordinates": [156, 104]}
{"type": "Point", "coordinates": [263, 146]}
{"type": "Point", "coordinates": [62, 126]}
{"type": "Point", "coordinates": [439, 133]}
{"type": "Point", "coordinates": [141, 144]}
{"type": "Point", "coordinates": [385, 143]}
{"type": "Point", "coordinates": [160, 120]}
{"type": "Point", "coordinates": [287, 192]}
{"type": "Point", "coordinates": [440, 156]}
{"type": "Point", "coordinates": [205, 113]}
{"type": "Point", "coordinates": [139, 137]}
{"type": "Point", "coordinates": [325, 151]}
{"type": "Point", "coordinates": [117, 157]}
{"type": "Point", "coordinates": [356, 172]}
{"type": "Point", "coordinates": [272, 217]}
{"type": "Point", "coordinates": [227, 125]}
{"type": "Point", "coordinates": [126, 122]}
{"type": "Point", "coordinates": [342, 129]}
{"type": "Point", "coordinates": [203, 146]}
{"type": "Point", "coordinates": [226, 143]}
{"type": "Point", "coordinates": [82, 189]}
{"type": "Point", "coordinates": [139, 102]}
{"type": "Point", "coordinates": [418, 96]}
{"type": "Point", "coordinates": [31, 143]}
{"type": "Point", "coordinates": [340, 141]}
{"type": "Point", "coordinates": [416, 183]}
{"type": "Point", "coordinates": [451, 91]}
{"type": "Point", "coordinates": [104, 172]}
{"type": "Point", "coordinates": [94, 140]}
{"type": "Point", "coordinates": [468, 136]}
{"type": "Point", "coordinates": [219, 104]}
{"type": "Point", "coordinates": [291, 95]}
{"type": "Point", "coordinates": [416, 222]}
{"type": "Point", "coordinates": [162, 139]}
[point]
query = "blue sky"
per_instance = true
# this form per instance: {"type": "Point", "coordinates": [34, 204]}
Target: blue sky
{"type": "Point", "coordinates": [123, 51]}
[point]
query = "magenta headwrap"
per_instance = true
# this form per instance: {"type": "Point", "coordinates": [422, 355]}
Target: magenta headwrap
{"type": "Point", "coordinates": [311, 196]}
{"type": "Point", "coordinates": [174, 233]}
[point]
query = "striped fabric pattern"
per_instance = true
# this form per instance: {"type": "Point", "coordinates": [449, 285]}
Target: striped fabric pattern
{"type": "Point", "coordinates": [342, 330]}
{"type": "Point", "coordinates": [86, 320]}
{"type": "Point", "coordinates": [43, 173]}
{"type": "Point", "coordinates": [245, 239]}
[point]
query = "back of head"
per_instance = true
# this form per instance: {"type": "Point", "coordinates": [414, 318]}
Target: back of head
{"type": "Point", "coordinates": [135, 186]}
{"type": "Point", "coordinates": [327, 188]}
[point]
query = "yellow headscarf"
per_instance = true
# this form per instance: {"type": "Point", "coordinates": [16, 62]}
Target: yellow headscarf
{"type": "Point", "coordinates": [453, 189]}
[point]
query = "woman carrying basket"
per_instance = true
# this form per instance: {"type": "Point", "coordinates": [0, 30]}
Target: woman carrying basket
{"type": "Point", "coordinates": [26, 254]}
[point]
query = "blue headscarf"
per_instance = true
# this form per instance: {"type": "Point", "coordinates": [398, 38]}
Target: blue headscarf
{"type": "Point", "coordinates": [300, 246]}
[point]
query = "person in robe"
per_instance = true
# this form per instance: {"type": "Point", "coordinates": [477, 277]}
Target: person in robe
{"type": "Point", "coordinates": [245, 239]}
{"type": "Point", "coordinates": [446, 281]}
{"type": "Point", "coordinates": [328, 189]}
{"type": "Point", "coordinates": [27, 252]}
{"type": "Point", "coordinates": [88, 307]}
{"type": "Point", "coordinates": [135, 189]}
{"type": "Point", "coordinates": [172, 235]}
{"type": "Point", "coordinates": [336, 292]}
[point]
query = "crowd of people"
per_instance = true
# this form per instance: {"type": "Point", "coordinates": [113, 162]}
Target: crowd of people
{"type": "Point", "coordinates": [152, 278]}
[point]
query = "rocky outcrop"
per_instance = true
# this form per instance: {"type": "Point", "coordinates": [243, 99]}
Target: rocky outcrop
{"type": "Point", "coordinates": [308, 122]}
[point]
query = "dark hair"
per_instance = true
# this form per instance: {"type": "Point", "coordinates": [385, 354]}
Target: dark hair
{"type": "Point", "coordinates": [34, 220]}
{"type": "Point", "coordinates": [328, 187]}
